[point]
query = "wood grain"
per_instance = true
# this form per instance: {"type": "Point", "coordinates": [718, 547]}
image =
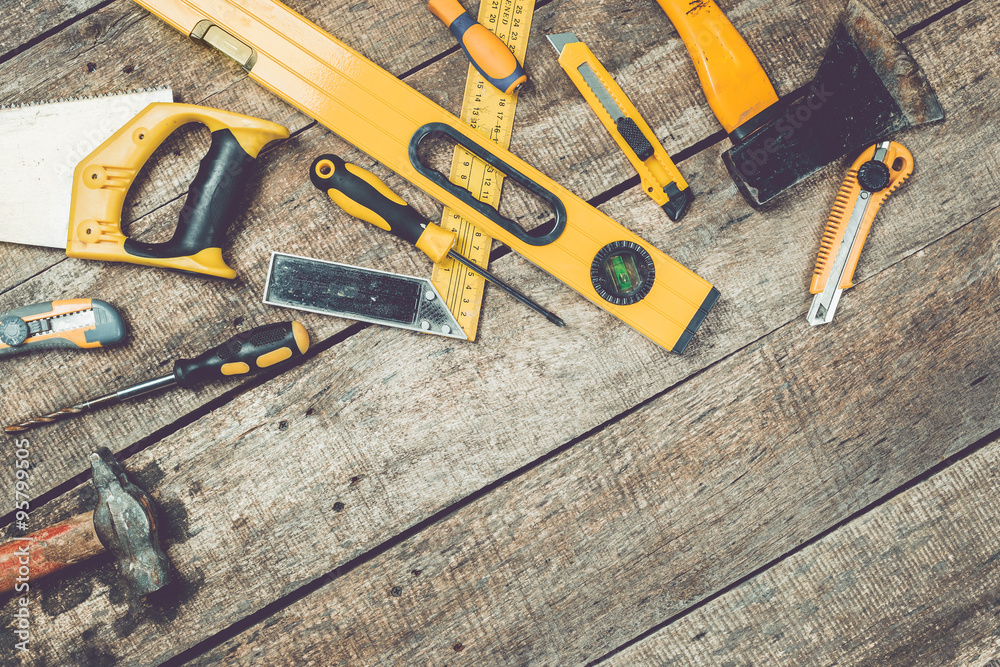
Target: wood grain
{"type": "Point", "coordinates": [293, 461]}
{"type": "Point", "coordinates": [216, 309]}
{"type": "Point", "coordinates": [913, 582]}
{"type": "Point", "coordinates": [689, 493]}
{"type": "Point", "coordinates": [341, 422]}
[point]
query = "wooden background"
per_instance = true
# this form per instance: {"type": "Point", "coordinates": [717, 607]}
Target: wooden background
{"type": "Point", "coordinates": [778, 495]}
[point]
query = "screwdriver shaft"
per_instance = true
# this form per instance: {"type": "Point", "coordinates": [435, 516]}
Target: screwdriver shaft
{"type": "Point", "coordinates": [549, 315]}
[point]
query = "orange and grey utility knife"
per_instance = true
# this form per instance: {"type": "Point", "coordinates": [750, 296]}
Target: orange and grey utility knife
{"type": "Point", "coordinates": [72, 164]}
{"type": "Point", "coordinates": [874, 176]}
{"type": "Point", "coordinates": [77, 324]}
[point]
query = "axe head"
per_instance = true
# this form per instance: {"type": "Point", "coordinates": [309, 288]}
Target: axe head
{"type": "Point", "coordinates": [867, 88]}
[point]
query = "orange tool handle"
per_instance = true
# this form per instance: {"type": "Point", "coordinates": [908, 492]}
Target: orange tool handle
{"type": "Point", "coordinates": [36, 327]}
{"type": "Point", "coordinates": [898, 165]}
{"type": "Point", "coordinates": [485, 51]}
{"type": "Point", "coordinates": [48, 550]}
{"type": "Point", "coordinates": [735, 84]}
{"type": "Point", "coordinates": [102, 180]}
{"type": "Point", "coordinates": [366, 197]}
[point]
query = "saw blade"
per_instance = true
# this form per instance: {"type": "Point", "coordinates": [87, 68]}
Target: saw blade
{"type": "Point", "coordinates": [42, 144]}
{"type": "Point", "coordinates": [357, 293]}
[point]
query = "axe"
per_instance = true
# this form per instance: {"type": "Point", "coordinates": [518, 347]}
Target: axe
{"type": "Point", "coordinates": [868, 87]}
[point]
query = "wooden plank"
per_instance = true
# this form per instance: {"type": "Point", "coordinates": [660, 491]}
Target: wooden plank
{"type": "Point", "coordinates": [689, 493]}
{"type": "Point", "coordinates": [24, 20]}
{"type": "Point", "coordinates": [323, 231]}
{"type": "Point", "coordinates": [319, 230]}
{"type": "Point", "coordinates": [913, 582]}
{"type": "Point", "coordinates": [358, 414]}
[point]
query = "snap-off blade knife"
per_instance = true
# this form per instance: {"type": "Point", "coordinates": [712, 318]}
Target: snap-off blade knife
{"type": "Point", "coordinates": [658, 174]}
{"type": "Point", "coordinates": [357, 293]}
{"type": "Point", "coordinates": [80, 324]}
{"type": "Point", "coordinates": [73, 199]}
{"type": "Point", "coordinates": [874, 176]}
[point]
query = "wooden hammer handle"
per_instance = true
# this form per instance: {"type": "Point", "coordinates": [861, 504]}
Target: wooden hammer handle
{"type": "Point", "coordinates": [47, 550]}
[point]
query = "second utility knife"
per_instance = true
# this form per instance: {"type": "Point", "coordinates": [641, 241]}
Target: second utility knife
{"type": "Point", "coordinates": [874, 176]}
{"type": "Point", "coordinates": [70, 324]}
{"type": "Point", "coordinates": [660, 178]}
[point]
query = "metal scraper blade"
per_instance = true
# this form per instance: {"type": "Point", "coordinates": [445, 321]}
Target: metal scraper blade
{"type": "Point", "coordinates": [42, 145]}
{"type": "Point", "coordinates": [357, 293]}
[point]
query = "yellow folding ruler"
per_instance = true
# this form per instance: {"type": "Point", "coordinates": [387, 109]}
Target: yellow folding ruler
{"type": "Point", "coordinates": [491, 113]}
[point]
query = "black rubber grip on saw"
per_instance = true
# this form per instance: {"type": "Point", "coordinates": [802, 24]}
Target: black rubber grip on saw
{"type": "Point", "coordinates": [634, 137]}
{"type": "Point", "coordinates": [213, 202]}
{"type": "Point", "coordinates": [245, 353]}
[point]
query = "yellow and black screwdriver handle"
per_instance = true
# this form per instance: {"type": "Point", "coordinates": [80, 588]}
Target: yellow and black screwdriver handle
{"type": "Point", "coordinates": [102, 180]}
{"type": "Point", "coordinates": [363, 195]}
{"type": "Point", "coordinates": [487, 53]}
{"type": "Point", "coordinates": [37, 327]}
{"type": "Point", "coordinates": [245, 353]}
{"type": "Point", "coordinates": [868, 179]}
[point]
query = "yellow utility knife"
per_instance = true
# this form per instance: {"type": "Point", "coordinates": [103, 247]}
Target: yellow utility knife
{"type": "Point", "coordinates": [660, 178]}
{"type": "Point", "coordinates": [874, 176]}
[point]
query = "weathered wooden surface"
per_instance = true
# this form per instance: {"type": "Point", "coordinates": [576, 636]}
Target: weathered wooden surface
{"type": "Point", "coordinates": [285, 483]}
{"type": "Point", "coordinates": [692, 491]}
{"type": "Point", "coordinates": [913, 582]}
{"type": "Point", "coordinates": [322, 231]}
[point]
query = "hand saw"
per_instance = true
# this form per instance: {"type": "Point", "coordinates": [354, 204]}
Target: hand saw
{"type": "Point", "coordinates": [384, 117]}
{"type": "Point", "coordinates": [73, 198]}
{"type": "Point", "coordinates": [75, 324]}
{"type": "Point", "coordinates": [871, 179]}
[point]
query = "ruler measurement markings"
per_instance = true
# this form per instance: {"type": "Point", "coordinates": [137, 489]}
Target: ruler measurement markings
{"type": "Point", "coordinates": [465, 288]}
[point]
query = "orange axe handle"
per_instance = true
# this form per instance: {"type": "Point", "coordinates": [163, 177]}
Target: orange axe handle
{"type": "Point", "coordinates": [48, 550]}
{"type": "Point", "coordinates": [734, 82]}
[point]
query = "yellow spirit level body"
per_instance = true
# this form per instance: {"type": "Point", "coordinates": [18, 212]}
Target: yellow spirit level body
{"type": "Point", "coordinates": [381, 115]}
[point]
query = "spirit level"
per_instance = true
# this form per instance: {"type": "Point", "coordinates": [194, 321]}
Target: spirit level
{"type": "Point", "coordinates": [387, 119]}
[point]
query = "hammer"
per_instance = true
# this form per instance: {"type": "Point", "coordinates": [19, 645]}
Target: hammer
{"type": "Point", "coordinates": [123, 523]}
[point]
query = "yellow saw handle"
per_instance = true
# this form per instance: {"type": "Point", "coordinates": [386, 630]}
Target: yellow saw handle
{"type": "Point", "coordinates": [102, 180]}
{"type": "Point", "coordinates": [735, 84]}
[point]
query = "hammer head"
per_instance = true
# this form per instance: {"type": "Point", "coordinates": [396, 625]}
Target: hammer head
{"type": "Point", "coordinates": [125, 523]}
{"type": "Point", "coordinates": [867, 88]}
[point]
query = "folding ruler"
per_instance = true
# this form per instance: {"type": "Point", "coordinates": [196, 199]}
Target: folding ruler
{"type": "Point", "coordinates": [367, 106]}
{"type": "Point", "coordinates": [491, 113]}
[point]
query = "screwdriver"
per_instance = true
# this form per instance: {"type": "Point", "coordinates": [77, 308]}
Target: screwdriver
{"type": "Point", "coordinates": [364, 195]}
{"type": "Point", "coordinates": [485, 51]}
{"type": "Point", "coordinates": [244, 354]}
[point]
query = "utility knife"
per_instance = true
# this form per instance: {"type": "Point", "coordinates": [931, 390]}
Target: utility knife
{"type": "Point", "coordinates": [81, 324]}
